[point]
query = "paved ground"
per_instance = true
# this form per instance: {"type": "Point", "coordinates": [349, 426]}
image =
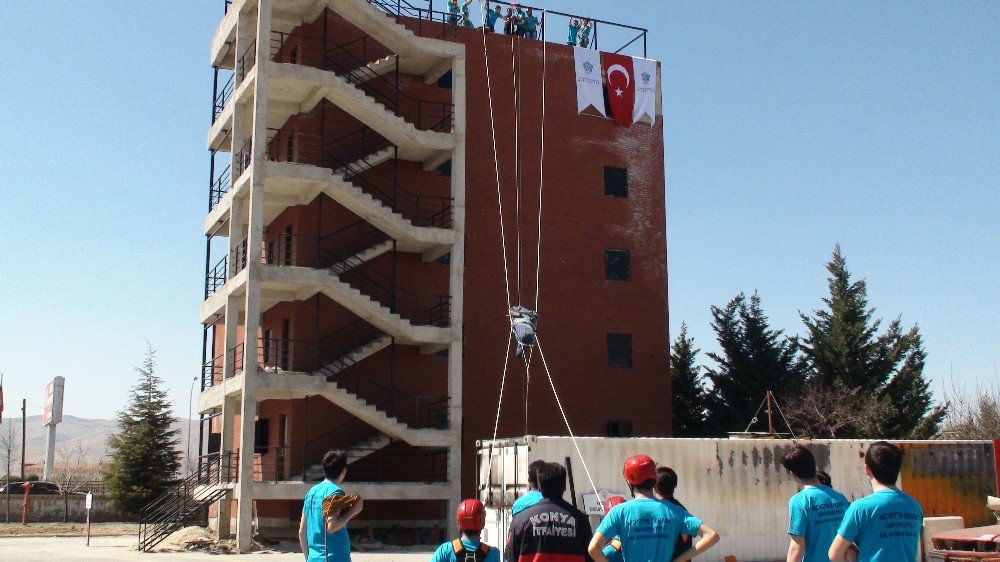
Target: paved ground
{"type": "Point", "coordinates": [121, 548]}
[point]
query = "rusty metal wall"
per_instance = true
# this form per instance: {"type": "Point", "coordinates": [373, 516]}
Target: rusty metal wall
{"type": "Point", "coordinates": [739, 487]}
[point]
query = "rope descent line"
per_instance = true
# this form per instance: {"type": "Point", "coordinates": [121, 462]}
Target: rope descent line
{"type": "Point", "coordinates": [515, 67]}
{"type": "Point", "coordinates": [541, 171]}
{"type": "Point", "coordinates": [562, 411]}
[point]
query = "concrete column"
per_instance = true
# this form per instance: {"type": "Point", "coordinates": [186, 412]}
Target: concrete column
{"type": "Point", "coordinates": [457, 291]}
{"type": "Point", "coordinates": [255, 238]}
{"type": "Point", "coordinates": [230, 405]}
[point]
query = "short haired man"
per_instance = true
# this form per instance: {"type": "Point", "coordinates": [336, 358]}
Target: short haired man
{"type": "Point", "coordinates": [666, 484]}
{"type": "Point", "coordinates": [648, 528]}
{"type": "Point", "coordinates": [814, 512]}
{"type": "Point", "coordinates": [326, 540]}
{"type": "Point", "coordinates": [551, 530]}
{"type": "Point", "coordinates": [471, 518]}
{"type": "Point", "coordinates": [533, 496]}
{"type": "Point", "coordinates": [886, 524]}
{"type": "Point", "coordinates": [491, 18]}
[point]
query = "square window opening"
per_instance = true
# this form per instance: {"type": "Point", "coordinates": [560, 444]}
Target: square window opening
{"type": "Point", "coordinates": [616, 265]}
{"type": "Point", "coordinates": [616, 182]}
{"type": "Point", "coordinates": [620, 351]}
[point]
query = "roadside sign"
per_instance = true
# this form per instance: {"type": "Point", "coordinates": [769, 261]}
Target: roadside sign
{"type": "Point", "coordinates": [90, 500]}
{"type": "Point", "coordinates": [52, 414]}
{"type": "Point", "coordinates": [594, 504]}
{"type": "Point", "coordinates": [90, 504]}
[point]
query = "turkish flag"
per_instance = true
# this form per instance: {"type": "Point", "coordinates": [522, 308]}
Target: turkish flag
{"type": "Point", "coordinates": [621, 87]}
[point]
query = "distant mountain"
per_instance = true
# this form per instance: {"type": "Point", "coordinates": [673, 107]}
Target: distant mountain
{"type": "Point", "coordinates": [91, 435]}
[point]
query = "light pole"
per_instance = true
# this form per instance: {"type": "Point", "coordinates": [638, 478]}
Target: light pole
{"type": "Point", "coordinates": [187, 449]}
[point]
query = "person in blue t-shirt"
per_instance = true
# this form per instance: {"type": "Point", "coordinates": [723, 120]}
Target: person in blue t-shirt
{"type": "Point", "coordinates": [814, 512]}
{"type": "Point", "coordinates": [467, 13]}
{"type": "Point", "coordinates": [471, 518]}
{"type": "Point", "coordinates": [533, 496]}
{"type": "Point", "coordinates": [648, 528]}
{"type": "Point", "coordinates": [454, 11]}
{"type": "Point", "coordinates": [574, 31]}
{"type": "Point", "coordinates": [530, 25]}
{"type": "Point", "coordinates": [491, 17]}
{"type": "Point", "coordinates": [666, 484]}
{"type": "Point", "coordinates": [885, 525]}
{"type": "Point", "coordinates": [613, 550]}
{"type": "Point", "coordinates": [333, 544]}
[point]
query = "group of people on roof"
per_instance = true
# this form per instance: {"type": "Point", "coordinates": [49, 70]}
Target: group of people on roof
{"type": "Point", "coordinates": [652, 525]}
{"type": "Point", "coordinates": [517, 20]}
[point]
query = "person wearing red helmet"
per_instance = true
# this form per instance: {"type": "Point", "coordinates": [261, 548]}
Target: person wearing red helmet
{"type": "Point", "coordinates": [471, 518]}
{"type": "Point", "coordinates": [648, 528]}
{"type": "Point", "coordinates": [613, 550]}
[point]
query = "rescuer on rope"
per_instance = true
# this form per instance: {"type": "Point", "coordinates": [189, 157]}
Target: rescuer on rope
{"type": "Point", "coordinates": [523, 323]}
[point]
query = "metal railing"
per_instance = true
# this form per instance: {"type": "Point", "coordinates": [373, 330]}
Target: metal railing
{"type": "Point", "coordinates": [216, 278]}
{"type": "Point", "coordinates": [184, 503]}
{"type": "Point", "coordinates": [326, 54]}
{"type": "Point", "coordinates": [212, 372]}
{"type": "Point", "coordinates": [222, 98]}
{"type": "Point", "coordinates": [242, 159]}
{"type": "Point", "coordinates": [246, 62]}
{"type": "Point", "coordinates": [236, 356]}
{"type": "Point", "coordinates": [314, 150]}
{"type": "Point", "coordinates": [238, 257]}
{"type": "Point", "coordinates": [275, 464]}
{"type": "Point", "coordinates": [425, 22]}
{"type": "Point", "coordinates": [220, 187]}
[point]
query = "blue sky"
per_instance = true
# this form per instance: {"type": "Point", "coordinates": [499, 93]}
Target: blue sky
{"type": "Point", "coordinates": [790, 127]}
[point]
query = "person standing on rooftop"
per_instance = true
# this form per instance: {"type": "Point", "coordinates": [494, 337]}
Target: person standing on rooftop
{"type": "Point", "coordinates": [585, 34]}
{"type": "Point", "coordinates": [574, 32]}
{"type": "Point", "coordinates": [530, 25]}
{"type": "Point", "coordinates": [491, 17]}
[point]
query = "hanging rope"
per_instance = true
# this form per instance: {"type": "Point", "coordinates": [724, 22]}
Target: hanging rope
{"type": "Point", "coordinates": [562, 411]}
{"type": "Point", "coordinates": [515, 67]}
{"type": "Point", "coordinates": [541, 171]}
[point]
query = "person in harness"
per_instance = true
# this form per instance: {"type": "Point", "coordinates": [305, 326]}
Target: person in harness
{"type": "Point", "coordinates": [471, 518]}
{"type": "Point", "coordinates": [613, 550]}
{"type": "Point", "coordinates": [523, 323]}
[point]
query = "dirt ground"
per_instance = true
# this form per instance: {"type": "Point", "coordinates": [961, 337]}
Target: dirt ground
{"type": "Point", "coordinates": [31, 549]}
{"type": "Point", "coordinates": [67, 529]}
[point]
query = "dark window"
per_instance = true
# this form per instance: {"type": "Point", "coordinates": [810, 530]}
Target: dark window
{"type": "Point", "coordinates": [444, 260]}
{"type": "Point", "coordinates": [445, 80]}
{"type": "Point", "coordinates": [288, 245]}
{"type": "Point", "coordinates": [443, 352]}
{"type": "Point", "coordinates": [620, 351]}
{"type": "Point", "coordinates": [620, 428]}
{"type": "Point", "coordinates": [214, 443]}
{"type": "Point", "coordinates": [616, 265]}
{"type": "Point", "coordinates": [266, 352]}
{"type": "Point", "coordinates": [293, 56]}
{"type": "Point", "coordinates": [283, 345]}
{"type": "Point", "coordinates": [445, 169]}
{"type": "Point", "coordinates": [261, 436]}
{"type": "Point", "coordinates": [615, 182]}
{"type": "Point", "coordinates": [290, 148]}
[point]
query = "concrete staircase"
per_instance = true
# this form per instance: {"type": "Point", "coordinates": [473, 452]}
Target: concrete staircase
{"type": "Point", "coordinates": [356, 356]}
{"type": "Point", "coordinates": [314, 473]}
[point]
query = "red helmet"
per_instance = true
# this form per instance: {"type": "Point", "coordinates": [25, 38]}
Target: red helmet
{"type": "Point", "coordinates": [611, 502]}
{"type": "Point", "coordinates": [639, 469]}
{"type": "Point", "coordinates": [471, 516]}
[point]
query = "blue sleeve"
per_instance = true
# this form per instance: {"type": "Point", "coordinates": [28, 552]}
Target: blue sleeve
{"type": "Point", "coordinates": [444, 554]}
{"type": "Point", "coordinates": [691, 525]}
{"type": "Point", "coordinates": [493, 556]}
{"type": "Point", "coordinates": [611, 525]}
{"type": "Point", "coordinates": [798, 522]}
{"type": "Point", "coordinates": [850, 527]}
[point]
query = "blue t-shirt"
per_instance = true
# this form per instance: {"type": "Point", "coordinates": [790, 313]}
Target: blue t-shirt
{"type": "Point", "coordinates": [525, 501]}
{"type": "Point", "coordinates": [446, 552]}
{"type": "Point", "coordinates": [613, 551]}
{"type": "Point", "coordinates": [491, 19]}
{"type": "Point", "coordinates": [885, 525]}
{"type": "Point", "coordinates": [530, 22]}
{"type": "Point", "coordinates": [814, 513]}
{"type": "Point", "coordinates": [648, 528]}
{"type": "Point", "coordinates": [338, 543]}
{"type": "Point", "coordinates": [574, 30]}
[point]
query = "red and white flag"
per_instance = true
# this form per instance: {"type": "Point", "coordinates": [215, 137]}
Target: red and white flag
{"type": "Point", "coordinates": [621, 87]}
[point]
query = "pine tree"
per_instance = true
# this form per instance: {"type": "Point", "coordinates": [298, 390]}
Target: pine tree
{"type": "Point", "coordinates": [844, 346]}
{"type": "Point", "coordinates": [144, 454]}
{"type": "Point", "coordinates": [688, 388]}
{"type": "Point", "coordinates": [753, 359]}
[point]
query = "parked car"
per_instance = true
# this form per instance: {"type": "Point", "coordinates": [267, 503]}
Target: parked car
{"type": "Point", "coordinates": [17, 488]}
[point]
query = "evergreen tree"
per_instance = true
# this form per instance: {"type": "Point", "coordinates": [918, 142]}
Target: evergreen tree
{"type": "Point", "coordinates": [144, 454]}
{"type": "Point", "coordinates": [844, 346]}
{"type": "Point", "coordinates": [688, 388]}
{"type": "Point", "coordinates": [753, 359]}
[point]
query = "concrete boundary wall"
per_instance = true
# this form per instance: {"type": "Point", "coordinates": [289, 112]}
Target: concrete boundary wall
{"type": "Point", "coordinates": [58, 508]}
{"type": "Point", "coordinates": [738, 486]}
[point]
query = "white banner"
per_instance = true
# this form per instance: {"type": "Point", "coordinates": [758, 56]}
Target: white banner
{"type": "Point", "coordinates": [645, 90]}
{"type": "Point", "coordinates": [589, 89]}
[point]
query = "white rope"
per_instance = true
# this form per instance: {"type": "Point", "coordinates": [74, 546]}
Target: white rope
{"type": "Point", "coordinates": [541, 173]}
{"type": "Point", "coordinates": [496, 424]}
{"type": "Point", "coordinates": [753, 420]}
{"type": "Point", "coordinates": [517, 152]}
{"type": "Point", "coordinates": [538, 344]}
{"type": "Point", "coordinates": [496, 166]}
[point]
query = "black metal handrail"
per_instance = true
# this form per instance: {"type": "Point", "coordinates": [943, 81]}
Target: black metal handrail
{"type": "Point", "coordinates": [246, 62]}
{"type": "Point", "coordinates": [238, 258]}
{"type": "Point", "coordinates": [236, 355]}
{"type": "Point", "coordinates": [428, 22]}
{"type": "Point", "coordinates": [242, 158]}
{"type": "Point", "coordinates": [311, 149]}
{"type": "Point", "coordinates": [216, 278]}
{"type": "Point", "coordinates": [327, 54]}
{"type": "Point", "coordinates": [212, 372]}
{"type": "Point", "coordinates": [220, 187]}
{"type": "Point", "coordinates": [381, 465]}
{"type": "Point", "coordinates": [223, 97]}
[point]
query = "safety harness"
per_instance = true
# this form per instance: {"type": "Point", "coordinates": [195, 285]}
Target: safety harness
{"type": "Point", "coordinates": [462, 554]}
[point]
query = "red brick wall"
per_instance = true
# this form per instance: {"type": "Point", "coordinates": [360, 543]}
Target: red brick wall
{"type": "Point", "coordinates": [578, 307]}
